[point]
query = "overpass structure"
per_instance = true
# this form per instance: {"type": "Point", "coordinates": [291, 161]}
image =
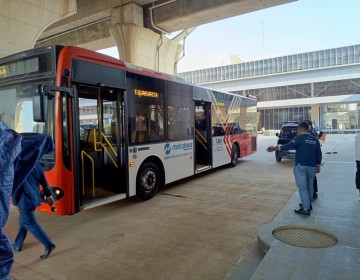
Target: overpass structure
{"type": "Point", "coordinates": [139, 28]}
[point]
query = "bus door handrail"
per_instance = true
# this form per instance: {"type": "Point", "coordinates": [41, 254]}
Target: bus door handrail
{"type": "Point", "coordinates": [106, 149]}
{"type": "Point", "coordinates": [202, 140]}
{"type": "Point", "coordinates": [83, 153]}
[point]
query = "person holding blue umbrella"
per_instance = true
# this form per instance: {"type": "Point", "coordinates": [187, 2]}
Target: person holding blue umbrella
{"type": "Point", "coordinates": [18, 157]}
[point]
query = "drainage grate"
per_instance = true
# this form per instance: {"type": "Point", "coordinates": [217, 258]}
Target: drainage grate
{"type": "Point", "coordinates": [305, 237]}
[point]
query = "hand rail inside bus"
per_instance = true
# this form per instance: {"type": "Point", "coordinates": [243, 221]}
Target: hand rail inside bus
{"type": "Point", "coordinates": [201, 139]}
{"type": "Point", "coordinates": [106, 149]}
{"type": "Point", "coordinates": [83, 153]}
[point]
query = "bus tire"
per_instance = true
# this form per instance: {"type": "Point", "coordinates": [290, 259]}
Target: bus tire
{"type": "Point", "coordinates": [234, 156]}
{"type": "Point", "coordinates": [147, 180]}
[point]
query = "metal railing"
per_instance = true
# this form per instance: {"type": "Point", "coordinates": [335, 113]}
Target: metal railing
{"type": "Point", "coordinates": [106, 148]}
{"type": "Point", "coordinates": [201, 139]}
{"type": "Point", "coordinates": [98, 147]}
{"type": "Point", "coordinates": [83, 155]}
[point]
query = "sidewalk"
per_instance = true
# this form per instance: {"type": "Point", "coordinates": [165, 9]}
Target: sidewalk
{"type": "Point", "coordinates": [335, 216]}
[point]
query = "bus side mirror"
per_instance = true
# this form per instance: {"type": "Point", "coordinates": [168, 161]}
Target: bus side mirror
{"type": "Point", "coordinates": [45, 92]}
{"type": "Point", "coordinates": [39, 108]}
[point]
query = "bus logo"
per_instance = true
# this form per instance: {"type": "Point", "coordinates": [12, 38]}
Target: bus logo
{"type": "Point", "coordinates": [177, 147]}
{"type": "Point", "coordinates": [167, 148]}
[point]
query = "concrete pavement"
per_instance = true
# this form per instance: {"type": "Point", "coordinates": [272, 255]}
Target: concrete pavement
{"type": "Point", "coordinates": [206, 227]}
{"type": "Point", "coordinates": [336, 213]}
{"type": "Point", "coordinates": [195, 229]}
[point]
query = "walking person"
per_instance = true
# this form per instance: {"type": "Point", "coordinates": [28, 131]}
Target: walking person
{"type": "Point", "coordinates": [27, 198]}
{"type": "Point", "coordinates": [307, 163]}
{"type": "Point", "coordinates": [357, 160]}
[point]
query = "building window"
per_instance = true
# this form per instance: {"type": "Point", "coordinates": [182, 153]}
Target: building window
{"type": "Point", "coordinates": [340, 117]}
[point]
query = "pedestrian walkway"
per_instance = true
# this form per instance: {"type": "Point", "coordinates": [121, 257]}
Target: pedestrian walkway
{"type": "Point", "coordinates": [199, 228]}
{"type": "Point", "coordinates": [335, 216]}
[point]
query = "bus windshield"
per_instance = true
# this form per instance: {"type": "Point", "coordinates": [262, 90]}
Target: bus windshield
{"type": "Point", "coordinates": [16, 111]}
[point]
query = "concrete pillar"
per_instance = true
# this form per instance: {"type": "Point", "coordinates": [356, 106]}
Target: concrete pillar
{"type": "Point", "coordinates": [315, 114]}
{"type": "Point", "coordinates": [21, 22]}
{"type": "Point", "coordinates": [139, 45]}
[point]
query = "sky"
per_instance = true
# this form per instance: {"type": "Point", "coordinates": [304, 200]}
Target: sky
{"type": "Point", "coordinates": [300, 26]}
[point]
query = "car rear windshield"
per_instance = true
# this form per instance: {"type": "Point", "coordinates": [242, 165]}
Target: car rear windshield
{"type": "Point", "coordinates": [288, 132]}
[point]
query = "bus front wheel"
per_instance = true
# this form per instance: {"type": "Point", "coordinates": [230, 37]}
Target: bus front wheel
{"type": "Point", "coordinates": [147, 181]}
{"type": "Point", "coordinates": [234, 156]}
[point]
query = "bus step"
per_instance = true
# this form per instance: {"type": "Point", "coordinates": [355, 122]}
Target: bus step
{"type": "Point", "coordinates": [202, 169]}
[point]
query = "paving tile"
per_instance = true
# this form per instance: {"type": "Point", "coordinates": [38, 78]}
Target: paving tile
{"type": "Point", "coordinates": [337, 211]}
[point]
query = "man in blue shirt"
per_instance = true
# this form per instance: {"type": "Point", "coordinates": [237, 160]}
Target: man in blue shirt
{"type": "Point", "coordinates": [307, 163]}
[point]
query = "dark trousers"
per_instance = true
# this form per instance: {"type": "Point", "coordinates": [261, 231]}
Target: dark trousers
{"type": "Point", "coordinates": [315, 186]}
{"type": "Point", "coordinates": [27, 223]}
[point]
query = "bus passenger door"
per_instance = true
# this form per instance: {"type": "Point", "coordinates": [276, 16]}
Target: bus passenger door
{"type": "Point", "coordinates": [102, 145]}
{"type": "Point", "coordinates": [203, 153]}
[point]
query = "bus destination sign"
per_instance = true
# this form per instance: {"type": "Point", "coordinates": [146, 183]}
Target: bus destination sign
{"type": "Point", "coordinates": [20, 67]}
{"type": "Point", "coordinates": [146, 93]}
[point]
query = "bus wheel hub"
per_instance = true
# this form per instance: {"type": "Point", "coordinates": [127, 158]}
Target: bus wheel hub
{"type": "Point", "coordinates": [148, 180]}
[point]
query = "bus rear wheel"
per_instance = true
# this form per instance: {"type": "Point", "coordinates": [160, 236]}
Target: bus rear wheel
{"type": "Point", "coordinates": [147, 181]}
{"type": "Point", "coordinates": [234, 156]}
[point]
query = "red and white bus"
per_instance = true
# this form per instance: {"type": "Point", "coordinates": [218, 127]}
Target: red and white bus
{"type": "Point", "coordinates": [119, 130]}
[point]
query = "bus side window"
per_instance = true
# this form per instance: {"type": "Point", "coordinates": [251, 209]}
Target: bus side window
{"type": "Point", "coordinates": [132, 131]}
{"type": "Point", "coordinates": [141, 123]}
{"type": "Point", "coordinates": [138, 131]}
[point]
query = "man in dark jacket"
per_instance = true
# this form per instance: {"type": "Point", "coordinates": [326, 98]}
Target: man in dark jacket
{"type": "Point", "coordinates": [27, 198]}
{"type": "Point", "coordinates": [307, 163]}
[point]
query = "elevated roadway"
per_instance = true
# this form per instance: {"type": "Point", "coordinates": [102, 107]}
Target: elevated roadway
{"type": "Point", "coordinates": [136, 27]}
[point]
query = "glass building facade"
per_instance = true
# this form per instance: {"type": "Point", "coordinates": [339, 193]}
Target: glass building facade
{"type": "Point", "coordinates": [273, 118]}
{"type": "Point", "coordinates": [340, 117]}
{"type": "Point", "coordinates": [339, 66]}
{"type": "Point", "coordinates": [320, 89]}
{"type": "Point", "coordinates": [284, 64]}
